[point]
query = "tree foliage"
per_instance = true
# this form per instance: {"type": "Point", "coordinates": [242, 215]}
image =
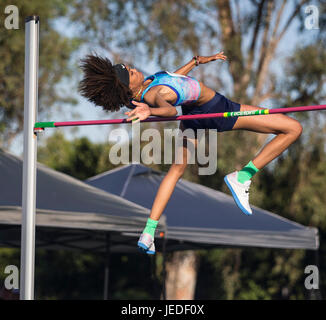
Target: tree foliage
{"type": "Point", "coordinates": [55, 52]}
{"type": "Point", "coordinates": [169, 33]}
{"type": "Point", "coordinates": [78, 158]}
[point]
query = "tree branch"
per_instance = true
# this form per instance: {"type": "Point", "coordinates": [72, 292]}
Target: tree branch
{"type": "Point", "coordinates": [257, 26]}
{"type": "Point", "coordinates": [238, 24]}
{"type": "Point", "coordinates": [288, 23]}
{"type": "Point", "coordinates": [274, 41]}
{"type": "Point", "coordinates": [264, 45]}
{"type": "Point", "coordinates": [270, 92]}
{"type": "Point", "coordinates": [246, 76]}
{"type": "Point", "coordinates": [231, 40]}
{"type": "Point", "coordinates": [278, 18]}
{"type": "Point", "coordinates": [266, 58]}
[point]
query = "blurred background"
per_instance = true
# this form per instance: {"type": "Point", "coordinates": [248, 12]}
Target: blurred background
{"type": "Point", "coordinates": [276, 57]}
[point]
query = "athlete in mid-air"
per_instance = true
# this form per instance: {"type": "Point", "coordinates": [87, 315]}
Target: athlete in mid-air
{"type": "Point", "coordinates": [114, 86]}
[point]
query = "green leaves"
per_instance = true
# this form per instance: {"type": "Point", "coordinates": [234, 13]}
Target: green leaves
{"type": "Point", "coordinates": [55, 52]}
{"type": "Point", "coordinates": [79, 158]}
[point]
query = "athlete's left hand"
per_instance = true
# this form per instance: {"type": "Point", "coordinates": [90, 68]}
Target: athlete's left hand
{"type": "Point", "coordinates": [141, 112]}
{"type": "Point", "coordinates": [218, 56]}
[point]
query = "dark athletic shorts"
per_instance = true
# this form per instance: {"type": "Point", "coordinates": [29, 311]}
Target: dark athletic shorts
{"type": "Point", "coordinates": [216, 105]}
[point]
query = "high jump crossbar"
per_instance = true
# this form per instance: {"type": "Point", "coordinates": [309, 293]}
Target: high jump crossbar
{"type": "Point", "coordinates": [39, 126]}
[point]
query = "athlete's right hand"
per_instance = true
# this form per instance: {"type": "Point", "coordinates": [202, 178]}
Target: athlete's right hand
{"type": "Point", "coordinates": [141, 112]}
{"type": "Point", "coordinates": [218, 56]}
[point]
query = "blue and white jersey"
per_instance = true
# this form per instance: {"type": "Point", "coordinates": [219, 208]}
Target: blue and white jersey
{"type": "Point", "coordinates": [186, 88]}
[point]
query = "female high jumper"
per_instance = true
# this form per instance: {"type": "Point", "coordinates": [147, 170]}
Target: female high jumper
{"type": "Point", "coordinates": [114, 86]}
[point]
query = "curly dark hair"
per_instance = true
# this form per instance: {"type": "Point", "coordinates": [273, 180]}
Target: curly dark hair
{"type": "Point", "coordinates": [101, 85]}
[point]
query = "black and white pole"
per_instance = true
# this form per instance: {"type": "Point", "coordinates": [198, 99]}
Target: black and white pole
{"type": "Point", "coordinates": [29, 165]}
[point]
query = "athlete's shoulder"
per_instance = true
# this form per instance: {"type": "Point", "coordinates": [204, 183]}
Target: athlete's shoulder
{"type": "Point", "coordinates": [172, 74]}
{"type": "Point", "coordinates": [160, 74]}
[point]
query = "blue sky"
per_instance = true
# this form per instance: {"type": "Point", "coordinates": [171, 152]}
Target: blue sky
{"type": "Point", "coordinates": [86, 111]}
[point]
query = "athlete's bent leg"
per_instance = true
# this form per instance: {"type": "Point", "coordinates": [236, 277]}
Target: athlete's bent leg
{"type": "Point", "coordinates": [287, 131]}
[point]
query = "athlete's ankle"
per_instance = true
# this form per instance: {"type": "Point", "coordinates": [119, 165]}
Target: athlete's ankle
{"type": "Point", "coordinates": [247, 172]}
{"type": "Point", "coordinates": [150, 227]}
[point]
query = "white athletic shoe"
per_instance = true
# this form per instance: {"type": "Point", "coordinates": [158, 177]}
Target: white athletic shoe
{"type": "Point", "coordinates": [146, 243]}
{"type": "Point", "coordinates": [240, 191]}
{"type": "Point", "coordinates": [151, 249]}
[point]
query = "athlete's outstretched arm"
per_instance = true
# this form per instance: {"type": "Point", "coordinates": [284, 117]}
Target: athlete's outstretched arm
{"type": "Point", "coordinates": [161, 108]}
{"type": "Point", "coordinates": [184, 70]}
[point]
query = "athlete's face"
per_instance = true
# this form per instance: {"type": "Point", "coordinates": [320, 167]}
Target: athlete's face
{"type": "Point", "coordinates": [136, 78]}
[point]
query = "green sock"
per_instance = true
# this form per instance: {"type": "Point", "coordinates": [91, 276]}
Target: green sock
{"type": "Point", "coordinates": [150, 227]}
{"type": "Point", "coordinates": [247, 172]}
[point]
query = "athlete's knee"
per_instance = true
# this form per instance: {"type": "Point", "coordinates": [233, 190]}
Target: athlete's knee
{"type": "Point", "coordinates": [295, 129]}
